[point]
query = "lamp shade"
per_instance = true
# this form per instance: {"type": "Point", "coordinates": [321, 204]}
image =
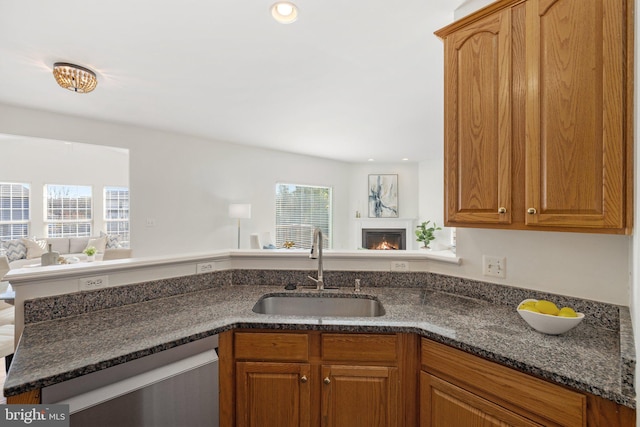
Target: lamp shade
{"type": "Point", "coordinates": [240, 211]}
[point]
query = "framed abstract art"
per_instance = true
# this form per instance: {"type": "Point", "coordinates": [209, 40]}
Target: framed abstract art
{"type": "Point", "coordinates": [383, 196]}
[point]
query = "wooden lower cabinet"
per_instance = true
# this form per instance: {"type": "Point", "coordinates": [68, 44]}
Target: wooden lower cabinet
{"type": "Point", "coordinates": [357, 396]}
{"type": "Point", "coordinates": [318, 379]}
{"type": "Point", "coordinates": [325, 379]}
{"type": "Point", "coordinates": [463, 390]}
{"type": "Point", "coordinates": [273, 394]}
{"type": "Point", "coordinates": [444, 404]}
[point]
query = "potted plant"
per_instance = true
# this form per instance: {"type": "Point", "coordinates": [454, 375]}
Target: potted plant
{"type": "Point", "coordinates": [424, 233]}
{"type": "Point", "coordinates": [90, 252]}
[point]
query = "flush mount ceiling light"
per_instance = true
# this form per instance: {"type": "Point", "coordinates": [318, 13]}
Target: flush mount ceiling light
{"type": "Point", "coordinates": [284, 12]}
{"type": "Point", "coordinates": [74, 77]}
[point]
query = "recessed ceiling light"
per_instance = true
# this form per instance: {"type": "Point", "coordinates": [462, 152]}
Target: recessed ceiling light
{"type": "Point", "coordinates": [284, 12]}
{"type": "Point", "coordinates": [370, 160]}
{"type": "Point", "coordinates": [405, 159]}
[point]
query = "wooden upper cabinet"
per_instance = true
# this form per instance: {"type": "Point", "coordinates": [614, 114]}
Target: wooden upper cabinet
{"type": "Point", "coordinates": [478, 121]}
{"type": "Point", "coordinates": [575, 113]}
{"type": "Point", "coordinates": [539, 116]}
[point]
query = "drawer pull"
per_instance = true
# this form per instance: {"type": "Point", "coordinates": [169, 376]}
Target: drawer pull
{"type": "Point", "coordinates": [327, 380]}
{"type": "Point", "coordinates": [303, 379]}
{"type": "Point", "coordinates": [531, 211]}
{"type": "Point", "coordinates": [502, 210]}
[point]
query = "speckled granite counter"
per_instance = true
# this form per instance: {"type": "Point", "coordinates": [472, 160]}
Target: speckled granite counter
{"type": "Point", "coordinates": [596, 357]}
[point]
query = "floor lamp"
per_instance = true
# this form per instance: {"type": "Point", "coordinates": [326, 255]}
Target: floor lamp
{"type": "Point", "coordinates": [240, 211]}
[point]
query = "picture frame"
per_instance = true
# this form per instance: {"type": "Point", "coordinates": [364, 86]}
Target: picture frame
{"type": "Point", "coordinates": [383, 196]}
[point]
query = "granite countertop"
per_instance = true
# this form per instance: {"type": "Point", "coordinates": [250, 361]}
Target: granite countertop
{"type": "Point", "coordinates": [587, 358]}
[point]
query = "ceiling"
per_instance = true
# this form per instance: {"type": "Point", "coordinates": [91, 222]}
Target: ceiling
{"type": "Point", "coordinates": [349, 80]}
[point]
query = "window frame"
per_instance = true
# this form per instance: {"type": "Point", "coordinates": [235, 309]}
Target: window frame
{"type": "Point", "coordinates": [124, 232]}
{"type": "Point", "coordinates": [304, 233]}
{"type": "Point", "coordinates": [63, 222]}
{"type": "Point", "coordinates": [13, 222]}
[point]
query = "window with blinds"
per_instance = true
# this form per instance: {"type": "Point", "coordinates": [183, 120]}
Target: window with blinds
{"type": "Point", "coordinates": [68, 209]}
{"type": "Point", "coordinates": [116, 213]}
{"type": "Point", "coordinates": [14, 210]}
{"type": "Point", "coordinates": [299, 210]}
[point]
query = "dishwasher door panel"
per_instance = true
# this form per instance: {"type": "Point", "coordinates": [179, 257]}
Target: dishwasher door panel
{"type": "Point", "coordinates": [175, 387]}
{"type": "Point", "coordinates": [189, 399]}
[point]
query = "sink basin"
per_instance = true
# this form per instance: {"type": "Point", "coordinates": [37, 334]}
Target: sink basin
{"type": "Point", "coordinates": [315, 305]}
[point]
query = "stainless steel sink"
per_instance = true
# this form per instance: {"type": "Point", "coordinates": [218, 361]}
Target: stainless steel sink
{"type": "Point", "coordinates": [315, 305]}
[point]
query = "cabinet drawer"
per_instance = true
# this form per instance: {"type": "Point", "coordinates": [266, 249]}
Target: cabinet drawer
{"type": "Point", "coordinates": [359, 347]}
{"type": "Point", "coordinates": [504, 386]}
{"type": "Point", "coordinates": [271, 346]}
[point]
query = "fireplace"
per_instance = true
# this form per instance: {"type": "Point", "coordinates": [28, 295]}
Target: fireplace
{"type": "Point", "coordinates": [384, 238]}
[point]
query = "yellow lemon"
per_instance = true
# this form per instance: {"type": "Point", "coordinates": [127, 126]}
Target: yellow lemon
{"type": "Point", "coordinates": [547, 307]}
{"type": "Point", "coordinates": [527, 304]}
{"type": "Point", "coordinates": [567, 312]}
{"type": "Point", "coordinates": [530, 308]}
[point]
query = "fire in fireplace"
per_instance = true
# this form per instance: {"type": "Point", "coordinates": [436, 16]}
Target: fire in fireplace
{"type": "Point", "coordinates": [384, 238]}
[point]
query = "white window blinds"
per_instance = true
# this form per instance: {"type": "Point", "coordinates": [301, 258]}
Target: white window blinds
{"type": "Point", "coordinates": [14, 210]}
{"type": "Point", "coordinates": [299, 210]}
{"type": "Point", "coordinates": [116, 213]}
{"type": "Point", "coordinates": [68, 209]}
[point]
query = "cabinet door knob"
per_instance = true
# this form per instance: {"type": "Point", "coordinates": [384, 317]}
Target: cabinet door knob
{"type": "Point", "coordinates": [327, 380]}
{"type": "Point", "coordinates": [303, 379]}
{"type": "Point", "coordinates": [502, 210]}
{"type": "Point", "coordinates": [531, 211]}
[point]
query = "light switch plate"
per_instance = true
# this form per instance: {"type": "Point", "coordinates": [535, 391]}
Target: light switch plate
{"type": "Point", "coordinates": [494, 266]}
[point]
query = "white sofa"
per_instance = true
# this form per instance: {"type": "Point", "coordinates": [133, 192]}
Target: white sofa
{"type": "Point", "coordinates": [67, 246]}
{"type": "Point", "coordinates": [6, 327]}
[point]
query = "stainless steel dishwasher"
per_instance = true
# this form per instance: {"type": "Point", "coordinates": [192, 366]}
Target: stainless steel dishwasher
{"type": "Point", "coordinates": [173, 388]}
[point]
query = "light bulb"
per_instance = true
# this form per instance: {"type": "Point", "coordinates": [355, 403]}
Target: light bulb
{"type": "Point", "coordinates": [284, 12]}
{"type": "Point", "coordinates": [284, 9]}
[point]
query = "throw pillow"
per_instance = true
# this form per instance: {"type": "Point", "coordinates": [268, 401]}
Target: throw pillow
{"type": "Point", "coordinates": [35, 248]}
{"type": "Point", "coordinates": [99, 243]}
{"type": "Point", "coordinates": [113, 240]}
{"type": "Point", "coordinates": [14, 249]}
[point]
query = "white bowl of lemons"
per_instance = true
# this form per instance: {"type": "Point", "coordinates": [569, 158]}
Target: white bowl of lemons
{"type": "Point", "coordinates": [544, 316]}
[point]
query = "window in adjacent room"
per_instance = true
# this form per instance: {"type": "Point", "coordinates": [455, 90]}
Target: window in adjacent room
{"type": "Point", "coordinates": [116, 213]}
{"type": "Point", "coordinates": [68, 209]}
{"type": "Point", "coordinates": [14, 210]}
{"type": "Point", "coordinates": [299, 210]}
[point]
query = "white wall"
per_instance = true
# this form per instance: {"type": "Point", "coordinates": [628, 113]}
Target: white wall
{"type": "Point", "coordinates": [201, 176]}
{"type": "Point", "coordinates": [44, 161]}
{"type": "Point", "coordinates": [408, 183]}
{"type": "Point", "coordinates": [469, 6]}
{"type": "Point", "coordinates": [205, 176]}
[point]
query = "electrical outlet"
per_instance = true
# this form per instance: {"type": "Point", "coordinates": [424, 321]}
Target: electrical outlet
{"type": "Point", "coordinates": [399, 266]}
{"type": "Point", "coordinates": [205, 267]}
{"type": "Point", "coordinates": [494, 266]}
{"type": "Point", "coordinates": [94, 282]}
{"type": "Point", "coordinates": [150, 222]}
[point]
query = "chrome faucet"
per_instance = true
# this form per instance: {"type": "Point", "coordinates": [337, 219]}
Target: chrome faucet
{"type": "Point", "coordinates": [316, 253]}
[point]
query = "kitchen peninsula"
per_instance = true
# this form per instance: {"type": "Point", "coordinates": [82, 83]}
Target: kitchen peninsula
{"type": "Point", "coordinates": [72, 334]}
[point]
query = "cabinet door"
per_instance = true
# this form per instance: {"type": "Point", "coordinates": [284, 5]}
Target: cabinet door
{"type": "Point", "coordinates": [575, 145]}
{"type": "Point", "coordinates": [273, 394]}
{"type": "Point", "coordinates": [478, 122]}
{"type": "Point", "coordinates": [443, 404]}
{"type": "Point", "coordinates": [356, 396]}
